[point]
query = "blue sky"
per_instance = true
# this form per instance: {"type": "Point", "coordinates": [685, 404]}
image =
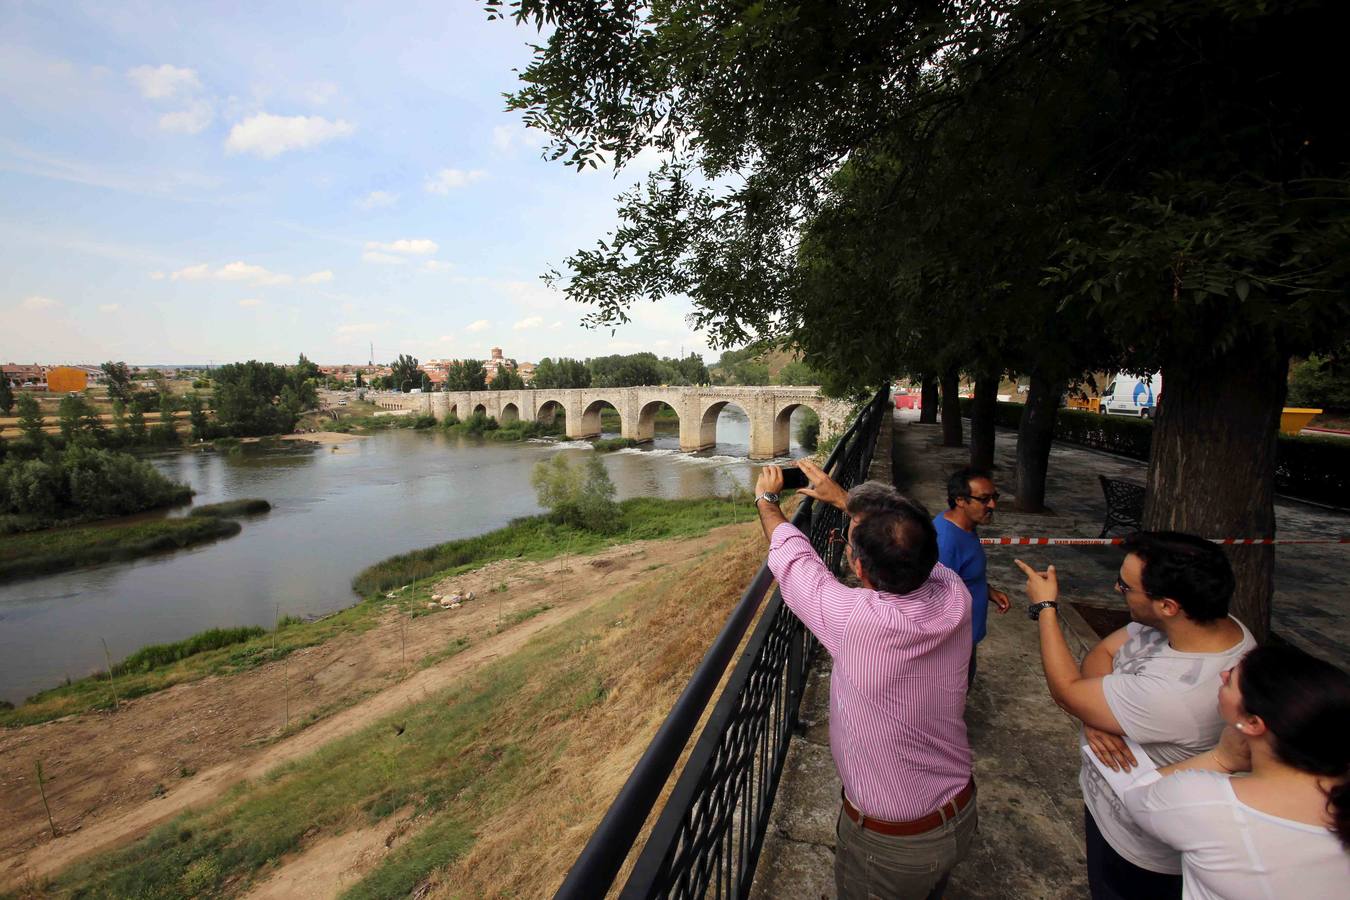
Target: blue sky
{"type": "Point", "coordinates": [210, 182]}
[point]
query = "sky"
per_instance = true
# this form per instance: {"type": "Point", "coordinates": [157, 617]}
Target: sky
{"type": "Point", "coordinates": [200, 183]}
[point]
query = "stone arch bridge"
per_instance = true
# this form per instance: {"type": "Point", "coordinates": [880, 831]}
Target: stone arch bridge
{"type": "Point", "coordinates": [768, 408]}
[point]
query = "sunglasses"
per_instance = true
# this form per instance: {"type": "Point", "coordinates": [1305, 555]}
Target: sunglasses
{"type": "Point", "coordinates": [984, 500]}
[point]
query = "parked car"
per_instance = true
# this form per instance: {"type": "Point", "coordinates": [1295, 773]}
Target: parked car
{"type": "Point", "coordinates": [1132, 395]}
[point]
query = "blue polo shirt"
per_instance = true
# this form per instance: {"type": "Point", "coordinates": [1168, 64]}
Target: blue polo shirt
{"type": "Point", "coordinates": [960, 551]}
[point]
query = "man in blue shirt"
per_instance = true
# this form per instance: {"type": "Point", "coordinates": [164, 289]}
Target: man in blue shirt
{"type": "Point", "coordinates": [971, 498]}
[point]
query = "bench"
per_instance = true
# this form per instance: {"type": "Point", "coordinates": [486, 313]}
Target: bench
{"type": "Point", "coordinates": [1124, 504]}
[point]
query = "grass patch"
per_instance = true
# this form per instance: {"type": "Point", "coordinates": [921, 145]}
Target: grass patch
{"type": "Point", "coordinates": [232, 508]}
{"type": "Point", "coordinates": [44, 552]}
{"type": "Point", "coordinates": [607, 445]}
{"type": "Point", "coordinates": [533, 743]}
{"type": "Point", "coordinates": [157, 656]}
{"type": "Point", "coordinates": [539, 537]}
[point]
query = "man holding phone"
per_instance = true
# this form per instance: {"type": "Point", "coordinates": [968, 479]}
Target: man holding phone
{"type": "Point", "coordinates": [900, 645]}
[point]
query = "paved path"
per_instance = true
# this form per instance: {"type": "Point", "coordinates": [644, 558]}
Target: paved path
{"type": "Point", "coordinates": [1026, 760]}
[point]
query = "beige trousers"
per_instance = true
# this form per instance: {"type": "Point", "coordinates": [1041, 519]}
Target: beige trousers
{"type": "Point", "coordinates": [871, 866]}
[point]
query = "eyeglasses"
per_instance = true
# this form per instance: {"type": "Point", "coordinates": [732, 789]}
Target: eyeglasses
{"type": "Point", "coordinates": [1124, 588]}
{"type": "Point", "coordinates": [984, 500]}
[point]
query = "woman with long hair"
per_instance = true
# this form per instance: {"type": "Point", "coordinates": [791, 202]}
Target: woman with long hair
{"type": "Point", "coordinates": [1266, 813]}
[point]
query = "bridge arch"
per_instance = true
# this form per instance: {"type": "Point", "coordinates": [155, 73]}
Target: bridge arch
{"type": "Point", "coordinates": [707, 428]}
{"type": "Point", "coordinates": [510, 413]}
{"type": "Point", "coordinates": [548, 411]}
{"type": "Point", "coordinates": [782, 427]}
{"type": "Point", "coordinates": [590, 417]}
{"type": "Point", "coordinates": [646, 421]}
{"type": "Point", "coordinates": [480, 410]}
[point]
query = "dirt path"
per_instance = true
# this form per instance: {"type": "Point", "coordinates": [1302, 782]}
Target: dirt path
{"type": "Point", "coordinates": [113, 777]}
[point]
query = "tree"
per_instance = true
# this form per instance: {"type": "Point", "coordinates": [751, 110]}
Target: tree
{"type": "Point", "coordinates": [1213, 260]}
{"type": "Point", "coordinates": [564, 373]}
{"type": "Point", "coordinates": [582, 497]}
{"type": "Point", "coordinates": [631, 370]}
{"type": "Point", "coordinates": [798, 373]}
{"type": "Point", "coordinates": [166, 431]}
{"type": "Point", "coordinates": [358, 381]}
{"type": "Point", "coordinates": [507, 380]}
{"type": "Point", "coordinates": [30, 421]}
{"type": "Point", "coordinates": [465, 375]}
{"type": "Point", "coordinates": [1320, 381]}
{"type": "Point", "coordinates": [201, 426]}
{"type": "Point", "coordinates": [136, 421]}
{"type": "Point", "coordinates": [256, 398]}
{"type": "Point", "coordinates": [6, 395]}
{"type": "Point", "coordinates": [405, 373]}
{"type": "Point", "coordinates": [119, 380]}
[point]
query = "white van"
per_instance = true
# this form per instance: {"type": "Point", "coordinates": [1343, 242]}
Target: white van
{"type": "Point", "coordinates": [1132, 395]}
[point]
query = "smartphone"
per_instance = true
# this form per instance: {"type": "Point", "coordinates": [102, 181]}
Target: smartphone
{"type": "Point", "coordinates": [794, 478]}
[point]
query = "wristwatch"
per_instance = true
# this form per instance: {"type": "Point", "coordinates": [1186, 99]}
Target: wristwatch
{"type": "Point", "coordinates": [771, 496]}
{"type": "Point", "coordinates": [1034, 610]}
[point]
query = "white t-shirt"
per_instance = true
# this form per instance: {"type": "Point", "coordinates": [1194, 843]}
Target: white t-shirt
{"type": "Point", "coordinates": [1230, 851]}
{"type": "Point", "coordinates": [1168, 701]}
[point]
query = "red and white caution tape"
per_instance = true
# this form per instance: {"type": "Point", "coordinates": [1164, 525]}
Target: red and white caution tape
{"type": "Point", "coordinates": [1115, 541]}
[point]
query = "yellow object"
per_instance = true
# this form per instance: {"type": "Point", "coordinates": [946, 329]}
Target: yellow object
{"type": "Point", "coordinates": [65, 379]}
{"type": "Point", "coordinates": [1293, 420]}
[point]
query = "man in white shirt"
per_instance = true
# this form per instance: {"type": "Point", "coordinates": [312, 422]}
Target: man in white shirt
{"type": "Point", "coordinates": [1154, 681]}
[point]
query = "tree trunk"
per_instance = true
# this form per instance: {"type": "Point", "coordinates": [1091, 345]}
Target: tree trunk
{"type": "Point", "coordinates": [1035, 434]}
{"type": "Point", "coordinates": [1212, 466]}
{"type": "Point", "coordinates": [928, 401]}
{"type": "Point", "coordinates": [982, 413]}
{"type": "Point", "coordinates": [951, 408]}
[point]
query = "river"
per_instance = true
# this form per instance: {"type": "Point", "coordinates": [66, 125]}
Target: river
{"type": "Point", "coordinates": [335, 511]}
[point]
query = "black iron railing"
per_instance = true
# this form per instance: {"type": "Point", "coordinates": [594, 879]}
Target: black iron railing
{"type": "Point", "coordinates": [708, 837]}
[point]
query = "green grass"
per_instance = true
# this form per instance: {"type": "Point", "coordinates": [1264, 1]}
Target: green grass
{"type": "Point", "coordinates": [157, 656]}
{"type": "Point", "coordinates": [232, 508]}
{"type": "Point", "coordinates": [538, 537]}
{"type": "Point", "coordinates": [43, 552]}
{"type": "Point", "coordinates": [464, 753]}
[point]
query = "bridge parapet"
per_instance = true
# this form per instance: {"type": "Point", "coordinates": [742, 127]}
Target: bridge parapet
{"type": "Point", "coordinates": [769, 410]}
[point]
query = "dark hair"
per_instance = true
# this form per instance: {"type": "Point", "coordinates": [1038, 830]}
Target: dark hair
{"type": "Point", "coordinates": [1305, 702]}
{"type": "Point", "coordinates": [896, 545]}
{"type": "Point", "coordinates": [1190, 570]}
{"type": "Point", "coordinates": [958, 485]}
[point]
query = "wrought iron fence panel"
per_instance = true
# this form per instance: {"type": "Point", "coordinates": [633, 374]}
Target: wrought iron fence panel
{"type": "Point", "coordinates": [707, 840]}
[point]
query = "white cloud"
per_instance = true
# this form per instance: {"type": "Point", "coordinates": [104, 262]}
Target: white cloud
{"type": "Point", "coordinates": [383, 259]}
{"type": "Point", "coordinates": [268, 136]}
{"type": "Point", "coordinates": [193, 120]}
{"type": "Point", "coordinates": [479, 325]}
{"type": "Point", "coordinates": [192, 273]}
{"type": "Point", "coordinates": [436, 265]}
{"type": "Point", "coordinates": [358, 327]}
{"type": "Point", "coordinates": [250, 301]}
{"type": "Point", "coordinates": [109, 307]}
{"type": "Point", "coordinates": [377, 200]}
{"type": "Point", "coordinates": [321, 92]}
{"type": "Point", "coordinates": [530, 322]}
{"type": "Point", "coordinates": [164, 82]}
{"type": "Point", "coordinates": [235, 271]}
{"type": "Point", "coordinates": [447, 179]}
{"type": "Point", "coordinates": [414, 246]}
{"type": "Point", "coordinates": [556, 325]}
{"type": "Point", "coordinates": [156, 276]}
{"type": "Point", "coordinates": [35, 302]}
{"type": "Point", "coordinates": [317, 277]}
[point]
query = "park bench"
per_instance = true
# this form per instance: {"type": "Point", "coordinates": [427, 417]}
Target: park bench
{"type": "Point", "coordinates": [1124, 504]}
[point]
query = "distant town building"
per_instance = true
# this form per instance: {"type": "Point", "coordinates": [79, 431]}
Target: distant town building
{"type": "Point", "coordinates": [20, 375]}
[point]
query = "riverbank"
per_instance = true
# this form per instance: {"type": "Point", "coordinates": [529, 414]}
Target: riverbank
{"type": "Point", "coordinates": [532, 538]}
{"type": "Point", "coordinates": [33, 553]}
{"type": "Point", "coordinates": [427, 750]}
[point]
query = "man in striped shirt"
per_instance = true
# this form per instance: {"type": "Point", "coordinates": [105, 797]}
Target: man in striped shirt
{"type": "Point", "coordinates": [901, 647]}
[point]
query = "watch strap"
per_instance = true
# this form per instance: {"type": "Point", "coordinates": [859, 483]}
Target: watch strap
{"type": "Point", "coordinates": [1034, 610]}
{"type": "Point", "coordinates": [771, 496]}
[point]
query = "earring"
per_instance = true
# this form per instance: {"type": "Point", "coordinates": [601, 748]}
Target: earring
{"type": "Point", "coordinates": [1237, 725]}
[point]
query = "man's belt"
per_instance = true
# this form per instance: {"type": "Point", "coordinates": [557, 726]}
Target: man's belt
{"type": "Point", "coordinates": [943, 814]}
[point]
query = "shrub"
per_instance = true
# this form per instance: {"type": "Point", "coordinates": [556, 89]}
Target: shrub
{"type": "Point", "coordinates": [84, 481]}
{"type": "Point", "coordinates": [606, 445]}
{"type": "Point", "coordinates": [158, 655]}
{"type": "Point", "coordinates": [582, 497]}
{"type": "Point", "coordinates": [231, 508]}
{"type": "Point", "coordinates": [808, 427]}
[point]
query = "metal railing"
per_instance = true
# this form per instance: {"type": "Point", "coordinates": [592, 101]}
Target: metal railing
{"type": "Point", "coordinates": [709, 835]}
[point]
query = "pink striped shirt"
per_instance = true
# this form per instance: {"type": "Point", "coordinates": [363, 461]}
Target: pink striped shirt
{"type": "Point", "coordinates": [898, 691]}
